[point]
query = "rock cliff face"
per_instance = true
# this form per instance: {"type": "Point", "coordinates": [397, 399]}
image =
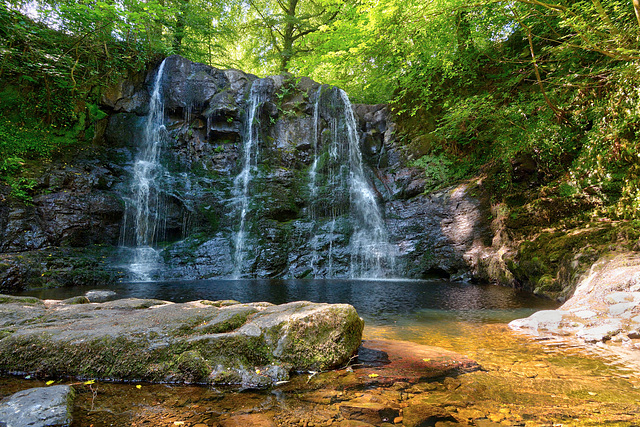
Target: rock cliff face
{"type": "Point", "coordinates": [299, 223]}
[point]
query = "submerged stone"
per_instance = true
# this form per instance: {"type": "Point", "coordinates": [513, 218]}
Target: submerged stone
{"type": "Point", "coordinates": [391, 361]}
{"type": "Point", "coordinates": [196, 342]}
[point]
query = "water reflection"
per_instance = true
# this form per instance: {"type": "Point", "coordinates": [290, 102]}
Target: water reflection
{"type": "Point", "coordinates": [378, 301]}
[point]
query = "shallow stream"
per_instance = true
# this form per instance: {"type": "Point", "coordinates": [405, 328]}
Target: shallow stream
{"type": "Point", "coordinates": [522, 381]}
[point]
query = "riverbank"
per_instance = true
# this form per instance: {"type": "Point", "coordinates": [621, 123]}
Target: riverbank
{"type": "Point", "coordinates": [522, 381]}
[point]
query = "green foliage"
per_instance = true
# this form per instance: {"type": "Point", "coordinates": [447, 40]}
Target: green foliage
{"type": "Point", "coordinates": [494, 83]}
{"type": "Point", "coordinates": [441, 170]}
{"type": "Point", "coordinates": [476, 87]}
{"type": "Point", "coordinates": [21, 187]}
{"type": "Point", "coordinates": [273, 36]}
{"type": "Point", "coordinates": [18, 143]}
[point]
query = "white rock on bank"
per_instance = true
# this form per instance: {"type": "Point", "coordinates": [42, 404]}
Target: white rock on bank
{"type": "Point", "coordinates": [605, 305]}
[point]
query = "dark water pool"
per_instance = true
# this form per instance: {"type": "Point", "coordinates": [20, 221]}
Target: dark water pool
{"type": "Point", "coordinates": [378, 301]}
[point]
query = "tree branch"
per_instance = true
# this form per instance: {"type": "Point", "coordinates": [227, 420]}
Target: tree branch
{"type": "Point", "coordinates": [557, 111]}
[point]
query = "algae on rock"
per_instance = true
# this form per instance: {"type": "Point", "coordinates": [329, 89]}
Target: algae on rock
{"type": "Point", "coordinates": [197, 342]}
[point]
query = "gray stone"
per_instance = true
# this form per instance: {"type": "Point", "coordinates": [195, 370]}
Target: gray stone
{"type": "Point", "coordinates": [198, 342]}
{"type": "Point", "coordinates": [601, 332]}
{"type": "Point", "coordinates": [99, 295]}
{"type": "Point", "coordinates": [619, 309]}
{"type": "Point", "coordinates": [619, 297]}
{"type": "Point", "coordinates": [38, 407]}
{"type": "Point", "coordinates": [544, 320]}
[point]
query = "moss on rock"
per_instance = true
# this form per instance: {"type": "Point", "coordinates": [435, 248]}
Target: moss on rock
{"type": "Point", "coordinates": [151, 340]}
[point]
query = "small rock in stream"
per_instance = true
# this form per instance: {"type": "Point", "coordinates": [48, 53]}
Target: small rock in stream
{"type": "Point", "coordinates": [38, 407]}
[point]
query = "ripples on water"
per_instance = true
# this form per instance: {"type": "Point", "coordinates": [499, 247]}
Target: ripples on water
{"type": "Point", "coordinates": [379, 302]}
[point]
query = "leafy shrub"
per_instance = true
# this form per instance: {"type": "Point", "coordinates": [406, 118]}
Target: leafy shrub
{"type": "Point", "coordinates": [441, 170]}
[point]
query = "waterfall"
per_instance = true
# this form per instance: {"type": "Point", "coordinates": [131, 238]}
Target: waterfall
{"type": "Point", "coordinates": [338, 188]}
{"type": "Point", "coordinates": [143, 222]}
{"type": "Point", "coordinates": [243, 179]}
{"type": "Point", "coordinates": [313, 189]}
{"type": "Point", "coordinates": [371, 254]}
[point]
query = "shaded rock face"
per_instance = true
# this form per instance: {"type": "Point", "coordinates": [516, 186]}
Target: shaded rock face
{"type": "Point", "coordinates": [293, 228]}
{"type": "Point", "coordinates": [222, 342]}
{"type": "Point", "coordinates": [441, 234]}
{"type": "Point", "coordinates": [78, 210]}
{"type": "Point", "coordinates": [68, 231]}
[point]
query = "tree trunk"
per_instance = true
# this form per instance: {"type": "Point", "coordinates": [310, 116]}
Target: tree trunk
{"type": "Point", "coordinates": [288, 35]}
{"type": "Point", "coordinates": [180, 26]}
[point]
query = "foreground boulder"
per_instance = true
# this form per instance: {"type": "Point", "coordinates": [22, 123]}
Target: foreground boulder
{"type": "Point", "coordinates": [221, 342]}
{"type": "Point", "coordinates": [605, 306]}
{"type": "Point", "coordinates": [38, 407]}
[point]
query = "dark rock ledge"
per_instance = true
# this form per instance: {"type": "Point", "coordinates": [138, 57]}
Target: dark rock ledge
{"type": "Point", "coordinates": [221, 342]}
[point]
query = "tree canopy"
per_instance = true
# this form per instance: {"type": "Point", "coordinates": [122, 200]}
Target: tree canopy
{"type": "Point", "coordinates": [475, 87]}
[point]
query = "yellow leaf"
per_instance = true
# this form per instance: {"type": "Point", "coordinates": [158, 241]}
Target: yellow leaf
{"type": "Point", "coordinates": [373, 375]}
{"type": "Point", "coordinates": [427, 360]}
{"type": "Point", "coordinates": [138, 386]}
{"type": "Point", "coordinates": [89, 382]}
{"type": "Point", "coordinates": [50, 382]}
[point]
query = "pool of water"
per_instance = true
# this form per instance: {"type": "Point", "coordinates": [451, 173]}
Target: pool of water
{"type": "Point", "coordinates": [523, 381]}
{"type": "Point", "coordinates": [380, 302]}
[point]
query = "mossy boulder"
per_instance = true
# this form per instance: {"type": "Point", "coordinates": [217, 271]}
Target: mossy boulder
{"type": "Point", "coordinates": [197, 342]}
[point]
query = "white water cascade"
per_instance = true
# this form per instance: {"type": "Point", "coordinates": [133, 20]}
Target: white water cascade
{"type": "Point", "coordinates": [313, 188]}
{"type": "Point", "coordinates": [242, 181]}
{"type": "Point", "coordinates": [143, 222]}
{"type": "Point", "coordinates": [371, 254]}
{"type": "Point", "coordinates": [338, 168]}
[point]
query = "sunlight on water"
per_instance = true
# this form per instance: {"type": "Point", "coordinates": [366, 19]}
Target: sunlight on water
{"type": "Point", "coordinates": [522, 381]}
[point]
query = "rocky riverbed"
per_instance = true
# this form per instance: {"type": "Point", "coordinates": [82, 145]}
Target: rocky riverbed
{"type": "Point", "coordinates": [512, 380]}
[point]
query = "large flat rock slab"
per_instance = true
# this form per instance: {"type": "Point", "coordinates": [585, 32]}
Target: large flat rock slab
{"type": "Point", "coordinates": [222, 342]}
{"type": "Point", "coordinates": [605, 308]}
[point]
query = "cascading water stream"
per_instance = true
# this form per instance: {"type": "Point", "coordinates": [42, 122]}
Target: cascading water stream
{"type": "Point", "coordinates": [243, 179]}
{"type": "Point", "coordinates": [338, 168]}
{"type": "Point", "coordinates": [143, 222]}
{"type": "Point", "coordinates": [371, 254]}
{"type": "Point", "coordinates": [313, 189]}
